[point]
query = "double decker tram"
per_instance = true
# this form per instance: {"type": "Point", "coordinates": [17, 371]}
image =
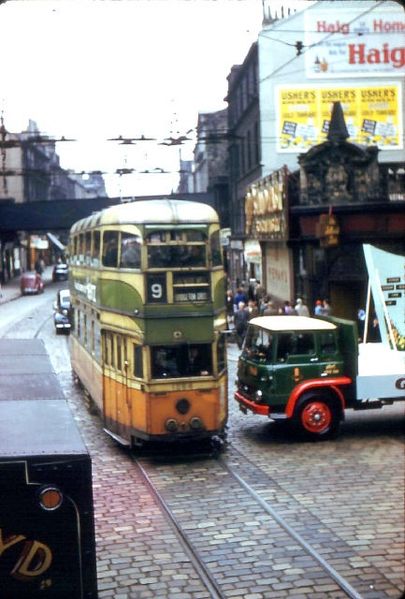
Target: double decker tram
{"type": "Point", "coordinates": [148, 293]}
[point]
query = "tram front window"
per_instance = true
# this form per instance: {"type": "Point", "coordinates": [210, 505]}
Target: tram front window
{"type": "Point", "coordinates": [181, 361]}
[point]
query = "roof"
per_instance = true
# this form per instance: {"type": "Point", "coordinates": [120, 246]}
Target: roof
{"type": "Point", "coordinates": [162, 211]}
{"type": "Point", "coordinates": [292, 323]}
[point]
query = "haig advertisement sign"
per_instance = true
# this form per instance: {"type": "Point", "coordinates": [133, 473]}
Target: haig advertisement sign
{"type": "Point", "coordinates": [355, 42]}
{"type": "Point", "coordinates": [373, 115]}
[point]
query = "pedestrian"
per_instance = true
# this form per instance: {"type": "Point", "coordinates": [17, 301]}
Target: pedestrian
{"type": "Point", "coordinates": [326, 308]}
{"type": "Point", "coordinates": [241, 319]}
{"type": "Point", "coordinates": [301, 308]}
{"type": "Point", "coordinates": [38, 266]}
{"type": "Point", "coordinates": [240, 296]}
{"type": "Point", "coordinates": [229, 306]}
{"type": "Point", "coordinates": [252, 309]}
{"type": "Point", "coordinates": [288, 309]}
{"type": "Point", "coordinates": [318, 308]}
{"type": "Point", "coordinates": [270, 309]}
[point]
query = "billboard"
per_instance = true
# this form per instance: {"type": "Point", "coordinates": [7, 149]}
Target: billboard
{"type": "Point", "coordinates": [373, 115]}
{"type": "Point", "coordinates": [356, 42]}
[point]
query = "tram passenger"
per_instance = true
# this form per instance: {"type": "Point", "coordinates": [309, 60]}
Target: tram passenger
{"type": "Point", "coordinates": [164, 365]}
{"type": "Point", "coordinates": [196, 363]}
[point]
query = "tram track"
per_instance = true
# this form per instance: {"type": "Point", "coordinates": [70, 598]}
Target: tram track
{"type": "Point", "coordinates": [315, 570]}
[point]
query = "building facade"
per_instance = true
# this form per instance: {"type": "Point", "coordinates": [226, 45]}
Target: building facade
{"type": "Point", "coordinates": [332, 51]}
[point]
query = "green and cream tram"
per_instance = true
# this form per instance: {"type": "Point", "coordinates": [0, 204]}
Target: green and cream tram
{"type": "Point", "coordinates": [148, 294]}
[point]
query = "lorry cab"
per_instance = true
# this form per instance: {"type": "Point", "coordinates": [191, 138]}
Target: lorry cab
{"type": "Point", "coordinates": [291, 367]}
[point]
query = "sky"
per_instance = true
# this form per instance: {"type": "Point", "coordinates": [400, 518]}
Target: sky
{"type": "Point", "coordinates": [91, 70]}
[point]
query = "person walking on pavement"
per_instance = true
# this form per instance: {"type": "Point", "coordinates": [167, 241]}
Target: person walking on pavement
{"type": "Point", "coordinates": [300, 308]}
{"type": "Point", "coordinates": [240, 296]}
{"type": "Point", "coordinates": [318, 308]}
{"type": "Point", "coordinates": [326, 308]}
{"type": "Point", "coordinates": [241, 319]}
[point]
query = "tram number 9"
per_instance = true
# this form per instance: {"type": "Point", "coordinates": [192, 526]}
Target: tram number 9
{"type": "Point", "coordinates": [157, 288]}
{"type": "Point", "coordinates": [156, 291]}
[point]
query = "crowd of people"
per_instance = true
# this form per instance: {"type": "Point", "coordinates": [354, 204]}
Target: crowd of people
{"type": "Point", "coordinates": [246, 303]}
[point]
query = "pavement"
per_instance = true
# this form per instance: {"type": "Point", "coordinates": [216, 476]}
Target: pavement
{"type": "Point", "coordinates": [11, 290]}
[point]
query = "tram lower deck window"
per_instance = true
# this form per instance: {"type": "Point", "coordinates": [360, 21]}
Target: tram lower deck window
{"type": "Point", "coordinates": [181, 361]}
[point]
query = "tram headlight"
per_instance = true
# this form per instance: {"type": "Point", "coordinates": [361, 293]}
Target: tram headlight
{"type": "Point", "coordinates": [196, 424]}
{"type": "Point", "coordinates": [183, 406]}
{"type": "Point", "coordinates": [171, 425]}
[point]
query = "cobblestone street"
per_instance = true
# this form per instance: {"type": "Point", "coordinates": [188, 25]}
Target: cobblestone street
{"type": "Point", "coordinates": [351, 490]}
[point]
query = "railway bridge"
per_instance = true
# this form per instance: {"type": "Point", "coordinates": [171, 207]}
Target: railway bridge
{"type": "Point", "coordinates": [19, 221]}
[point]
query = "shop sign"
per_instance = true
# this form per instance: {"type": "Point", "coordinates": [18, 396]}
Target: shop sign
{"type": "Point", "coordinates": [265, 207]}
{"type": "Point", "coordinates": [328, 230]}
{"type": "Point", "coordinates": [38, 243]}
{"type": "Point", "coordinates": [253, 252]}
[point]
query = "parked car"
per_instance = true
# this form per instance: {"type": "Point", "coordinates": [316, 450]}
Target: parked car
{"type": "Point", "coordinates": [62, 317]}
{"type": "Point", "coordinates": [31, 282]}
{"type": "Point", "coordinates": [60, 272]}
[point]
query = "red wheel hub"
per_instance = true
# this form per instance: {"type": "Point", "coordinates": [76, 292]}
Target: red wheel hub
{"type": "Point", "coordinates": [316, 417]}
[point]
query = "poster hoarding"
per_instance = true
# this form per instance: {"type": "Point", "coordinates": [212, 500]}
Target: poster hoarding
{"type": "Point", "coordinates": [373, 115]}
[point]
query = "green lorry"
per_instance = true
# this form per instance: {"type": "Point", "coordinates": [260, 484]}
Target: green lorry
{"type": "Point", "coordinates": [308, 371]}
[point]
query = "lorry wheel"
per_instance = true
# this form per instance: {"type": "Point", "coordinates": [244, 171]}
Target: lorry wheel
{"type": "Point", "coordinates": [317, 418]}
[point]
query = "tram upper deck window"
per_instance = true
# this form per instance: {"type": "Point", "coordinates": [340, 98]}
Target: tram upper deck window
{"type": "Point", "coordinates": [95, 252]}
{"type": "Point", "coordinates": [130, 251]}
{"type": "Point", "coordinates": [87, 247]}
{"type": "Point", "coordinates": [81, 248]}
{"type": "Point", "coordinates": [110, 248]}
{"type": "Point", "coordinates": [176, 249]}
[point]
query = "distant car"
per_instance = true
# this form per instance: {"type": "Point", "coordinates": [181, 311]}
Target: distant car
{"type": "Point", "coordinates": [30, 283]}
{"type": "Point", "coordinates": [62, 317]}
{"type": "Point", "coordinates": [60, 272]}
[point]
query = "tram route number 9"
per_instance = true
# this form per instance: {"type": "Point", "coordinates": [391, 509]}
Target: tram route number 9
{"type": "Point", "coordinates": [157, 288]}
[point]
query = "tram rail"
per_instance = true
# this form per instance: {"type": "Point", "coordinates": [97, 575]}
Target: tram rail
{"type": "Point", "coordinates": [208, 578]}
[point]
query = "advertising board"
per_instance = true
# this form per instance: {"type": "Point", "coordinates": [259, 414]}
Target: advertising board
{"type": "Point", "coordinates": [356, 42]}
{"type": "Point", "coordinates": [373, 115]}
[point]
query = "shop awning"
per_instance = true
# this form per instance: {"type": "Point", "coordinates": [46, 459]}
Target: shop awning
{"type": "Point", "coordinates": [53, 239]}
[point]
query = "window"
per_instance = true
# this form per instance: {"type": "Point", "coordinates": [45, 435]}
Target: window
{"type": "Point", "coordinates": [191, 287]}
{"type": "Point", "coordinates": [130, 251]}
{"type": "Point", "coordinates": [95, 254]}
{"type": "Point", "coordinates": [85, 336]}
{"type": "Point", "coordinates": [221, 353]}
{"type": "Point", "coordinates": [327, 343]}
{"type": "Point", "coordinates": [258, 344]}
{"type": "Point", "coordinates": [138, 366]}
{"type": "Point", "coordinates": [216, 252]}
{"type": "Point", "coordinates": [110, 248]}
{"type": "Point", "coordinates": [81, 248]}
{"type": "Point", "coordinates": [292, 344]}
{"type": "Point", "coordinates": [176, 249]}
{"type": "Point", "coordinates": [181, 361]}
{"type": "Point", "coordinates": [119, 352]}
{"type": "Point", "coordinates": [87, 247]}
